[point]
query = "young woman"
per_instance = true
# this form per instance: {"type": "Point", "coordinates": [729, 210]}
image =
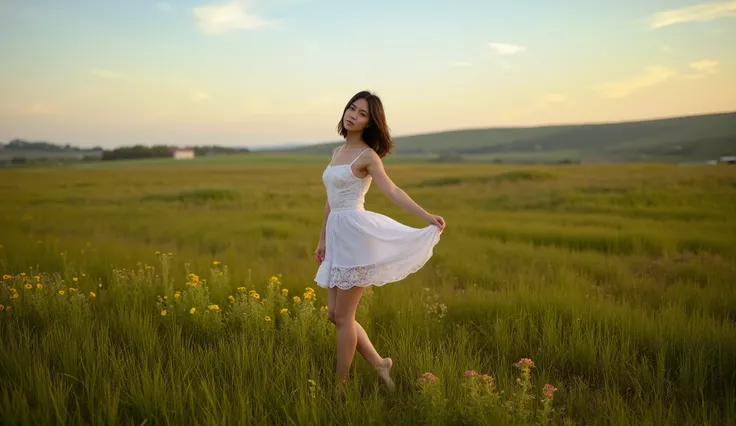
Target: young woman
{"type": "Point", "coordinates": [358, 248]}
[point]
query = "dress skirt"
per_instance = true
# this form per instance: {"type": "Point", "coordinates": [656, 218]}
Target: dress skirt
{"type": "Point", "coordinates": [364, 248]}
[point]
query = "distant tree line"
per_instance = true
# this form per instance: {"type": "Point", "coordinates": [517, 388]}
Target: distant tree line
{"type": "Point", "coordinates": [163, 151]}
{"type": "Point", "coordinates": [19, 147]}
{"type": "Point", "coordinates": [21, 144]}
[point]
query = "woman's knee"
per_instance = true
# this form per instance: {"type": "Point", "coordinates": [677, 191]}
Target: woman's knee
{"type": "Point", "coordinates": [341, 319]}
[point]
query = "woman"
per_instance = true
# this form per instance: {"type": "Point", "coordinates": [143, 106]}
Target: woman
{"type": "Point", "coordinates": [358, 248]}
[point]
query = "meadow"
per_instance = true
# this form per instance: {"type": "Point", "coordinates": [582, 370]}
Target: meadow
{"type": "Point", "coordinates": [164, 292]}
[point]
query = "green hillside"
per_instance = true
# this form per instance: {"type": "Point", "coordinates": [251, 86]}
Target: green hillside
{"type": "Point", "coordinates": [690, 138]}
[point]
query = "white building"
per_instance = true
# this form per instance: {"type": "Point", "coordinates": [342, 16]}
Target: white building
{"type": "Point", "coordinates": [183, 153]}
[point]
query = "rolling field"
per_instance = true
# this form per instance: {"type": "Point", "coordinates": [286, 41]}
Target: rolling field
{"type": "Point", "coordinates": [152, 292]}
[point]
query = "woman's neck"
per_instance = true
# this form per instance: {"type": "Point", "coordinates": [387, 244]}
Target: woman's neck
{"type": "Point", "coordinates": [354, 140]}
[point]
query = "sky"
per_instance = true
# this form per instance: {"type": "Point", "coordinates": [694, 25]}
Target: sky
{"type": "Point", "coordinates": [268, 72]}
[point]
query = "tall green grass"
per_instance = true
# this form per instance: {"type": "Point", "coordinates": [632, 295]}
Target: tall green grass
{"type": "Point", "coordinates": [616, 280]}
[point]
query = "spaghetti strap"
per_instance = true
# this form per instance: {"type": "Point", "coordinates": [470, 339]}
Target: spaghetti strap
{"type": "Point", "coordinates": [361, 153]}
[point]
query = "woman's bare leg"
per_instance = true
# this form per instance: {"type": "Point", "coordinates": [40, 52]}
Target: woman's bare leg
{"type": "Point", "coordinates": [347, 333]}
{"type": "Point", "coordinates": [345, 305]}
{"type": "Point", "coordinates": [365, 347]}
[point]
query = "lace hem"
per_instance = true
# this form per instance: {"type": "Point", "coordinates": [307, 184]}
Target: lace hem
{"type": "Point", "coordinates": [346, 277]}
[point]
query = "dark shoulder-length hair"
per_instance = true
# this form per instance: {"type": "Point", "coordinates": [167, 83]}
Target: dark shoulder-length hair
{"type": "Point", "coordinates": [376, 134]}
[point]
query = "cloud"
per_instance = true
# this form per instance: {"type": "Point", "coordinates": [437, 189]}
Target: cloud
{"type": "Point", "coordinates": [552, 98]}
{"type": "Point", "coordinates": [200, 96]}
{"type": "Point", "coordinates": [506, 49]}
{"type": "Point", "coordinates": [461, 64]}
{"type": "Point", "coordinates": [164, 7]}
{"type": "Point", "coordinates": [37, 108]}
{"type": "Point", "coordinates": [696, 13]}
{"type": "Point", "coordinates": [103, 73]}
{"type": "Point", "coordinates": [706, 66]}
{"type": "Point", "coordinates": [219, 19]}
{"type": "Point", "coordinates": [652, 76]}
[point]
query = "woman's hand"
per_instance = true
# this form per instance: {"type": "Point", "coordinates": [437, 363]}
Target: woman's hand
{"type": "Point", "coordinates": [319, 254]}
{"type": "Point", "coordinates": [436, 220]}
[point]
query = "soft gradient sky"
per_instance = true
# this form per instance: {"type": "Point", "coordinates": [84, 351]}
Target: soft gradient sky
{"type": "Point", "coordinates": [257, 72]}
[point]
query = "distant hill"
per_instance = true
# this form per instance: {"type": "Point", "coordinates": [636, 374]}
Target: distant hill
{"type": "Point", "coordinates": [689, 138]}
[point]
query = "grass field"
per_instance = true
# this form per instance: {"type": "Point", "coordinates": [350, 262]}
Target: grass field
{"type": "Point", "coordinates": [617, 281]}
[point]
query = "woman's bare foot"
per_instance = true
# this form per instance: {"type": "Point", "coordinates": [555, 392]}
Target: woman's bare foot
{"type": "Point", "coordinates": [384, 371]}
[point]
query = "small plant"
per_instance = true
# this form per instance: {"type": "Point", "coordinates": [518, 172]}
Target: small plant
{"type": "Point", "coordinates": [432, 402]}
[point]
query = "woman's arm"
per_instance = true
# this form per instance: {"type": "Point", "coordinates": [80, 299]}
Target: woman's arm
{"type": "Point", "coordinates": [324, 222]}
{"type": "Point", "coordinates": [397, 195]}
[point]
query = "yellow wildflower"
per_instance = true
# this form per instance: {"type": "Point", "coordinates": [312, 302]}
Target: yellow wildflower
{"type": "Point", "coordinates": [213, 308]}
{"type": "Point", "coordinates": [28, 286]}
{"type": "Point", "coordinates": [231, 298]}
{"type": "Point", "coordinates": [268, 318]}
{"type": "Point", "coordinates": [72, 289]}
{"type": "Point", "coordinates": [7, 277]}
{"type": "Point", "coordinates": [215, 262]}
{"type": "Point", "coordinates": [177, 295]}
{"type": "Point", "coordinates": [284, 310]}
{"type": "Point", "coordinates": [241, 289]}
{"type": "Point", "coordinates": [36, 277]}
{"type": "Point", "coordinates": [39, 286]}
{"type": "Point", "coordinates": [285, 292]}
{"type": "Point", "coordinates": [22, 274]}
{"type": "Point", "coordinates": [92, 294]}
{"type": "Point", "coordinates": [297, 299]}
{"type": "Point", "coordinates": [61, 292]}
{"type": "Point", "coordinates": [75, 279]}
{"type": "Point", "coordinates": [192, 311]}
{"type": "Point", "coordinates": [324, 308]}
{"type": "Point", "coordinates": [157, 253]}
{"type": "Point", "coordinates": [163, 313]}
{"type": "Point", "coordinates": [256, 296]}
{"type": "Point", "coordinates": [2, 307]}
{"type": "Point", "coordinates": [14, 296]}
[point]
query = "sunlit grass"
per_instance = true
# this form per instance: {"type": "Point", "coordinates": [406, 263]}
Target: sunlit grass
{"type": "Point", "coordinates": [616, 281]}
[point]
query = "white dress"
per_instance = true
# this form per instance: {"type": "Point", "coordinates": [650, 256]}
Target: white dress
{"type": "Point", "coordinates": [364, 248]}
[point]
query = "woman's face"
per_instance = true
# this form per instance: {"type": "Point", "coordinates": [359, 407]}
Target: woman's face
{"type": "Point", "coordinates": [356, 117]}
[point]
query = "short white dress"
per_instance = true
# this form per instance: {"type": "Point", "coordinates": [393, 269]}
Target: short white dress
{"type": "Point", "coordinates": [364, 248]}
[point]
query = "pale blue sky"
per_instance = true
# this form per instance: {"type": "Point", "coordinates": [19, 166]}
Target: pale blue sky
{"type": "Point", "coordinates": [99, 72]}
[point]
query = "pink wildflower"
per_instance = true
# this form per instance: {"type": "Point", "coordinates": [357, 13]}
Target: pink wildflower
{"type": "Point", "coordinates": [421, 380]}
{"type": "Point", "coordinates": [469, 373]}
{"type": "Point", "coordinates": [525, 363]}
{"type": "Point", "coordinates": [549, 390]}
{"type": "Point", "coordinates": [429, 376]}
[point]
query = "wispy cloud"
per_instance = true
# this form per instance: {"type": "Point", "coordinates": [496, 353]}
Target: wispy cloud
{"type": "Point", "coordinates": [696, 13]}
{"type": "Point", "coordinates": [103, 73]}
{"type": "Point", "coordinates": [706, 65]}
{"type": "Point", "coordinates": [200, 96]}
{"type": "Point", "coordinates": [218, 19]}
{"type": "Point", "coordinates": [506, 48]}
{"type": "Point", "coordinates": [164, 6]}
{"type": "Point", "coordinates": [652, 76]}
{"type": "Point", "coordinates": [37, 109]}
{"type": "Point", "coordinates": [461, 64]}
{"type": "Point", "coordinates": [703, 67]}
{"type": "Point", "coordinates": [552, 98]}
